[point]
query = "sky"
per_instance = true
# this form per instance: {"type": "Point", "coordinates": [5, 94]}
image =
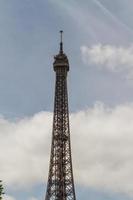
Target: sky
{"type": "Point", "coordinates": [98, 42]}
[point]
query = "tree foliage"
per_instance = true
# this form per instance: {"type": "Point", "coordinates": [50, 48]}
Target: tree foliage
{"type": "Point", "coordinates": [1, 190]}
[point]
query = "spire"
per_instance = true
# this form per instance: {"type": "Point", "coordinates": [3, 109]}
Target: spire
{"type": "Point", "coordinates": [61, 59]}
{"type": "Point", "coordinates": [61, 42]}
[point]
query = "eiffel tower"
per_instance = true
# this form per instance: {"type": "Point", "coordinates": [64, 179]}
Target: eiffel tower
{"type": "Point", "coordinates": [60, 184]}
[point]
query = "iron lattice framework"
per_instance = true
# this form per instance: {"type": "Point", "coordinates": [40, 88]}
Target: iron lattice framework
{"type": "Point", "coordinates": [60, 180]}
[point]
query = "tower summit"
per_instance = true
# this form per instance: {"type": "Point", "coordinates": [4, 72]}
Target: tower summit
{"type": "Point", "coordinates": [60, 184]}
{"type": "Point", "coordinates": [61, 59]}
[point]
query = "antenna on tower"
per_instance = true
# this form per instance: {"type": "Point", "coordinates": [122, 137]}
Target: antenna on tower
{"type": "Point", "coordinates": [61, 42]}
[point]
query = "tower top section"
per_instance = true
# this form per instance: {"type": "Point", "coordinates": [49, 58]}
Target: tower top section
{"type": "Point", "coordinates": [61, 60]}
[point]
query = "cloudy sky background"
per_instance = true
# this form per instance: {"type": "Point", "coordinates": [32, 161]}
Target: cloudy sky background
{"type": "Point", "coordinates": [98, 41]}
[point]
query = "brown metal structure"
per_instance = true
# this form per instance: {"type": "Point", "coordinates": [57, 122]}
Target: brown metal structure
{"type": "Point", "coordinates": [60, 184]}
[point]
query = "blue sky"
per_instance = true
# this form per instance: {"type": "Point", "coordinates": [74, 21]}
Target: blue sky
{"type": "Point", "coordinates": [98, 41]}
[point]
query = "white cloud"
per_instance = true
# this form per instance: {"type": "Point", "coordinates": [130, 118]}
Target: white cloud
{"type": "Point", "coordinates": [32, 198]}
{"type": "Point", "coordinates": [24, 146]}
{"type": "Point", "coordinates": [7, 197]}
{"type": "Point", "coordinates": [102, 146]}
{"type": "Point", "coordinates": [113, 58]}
